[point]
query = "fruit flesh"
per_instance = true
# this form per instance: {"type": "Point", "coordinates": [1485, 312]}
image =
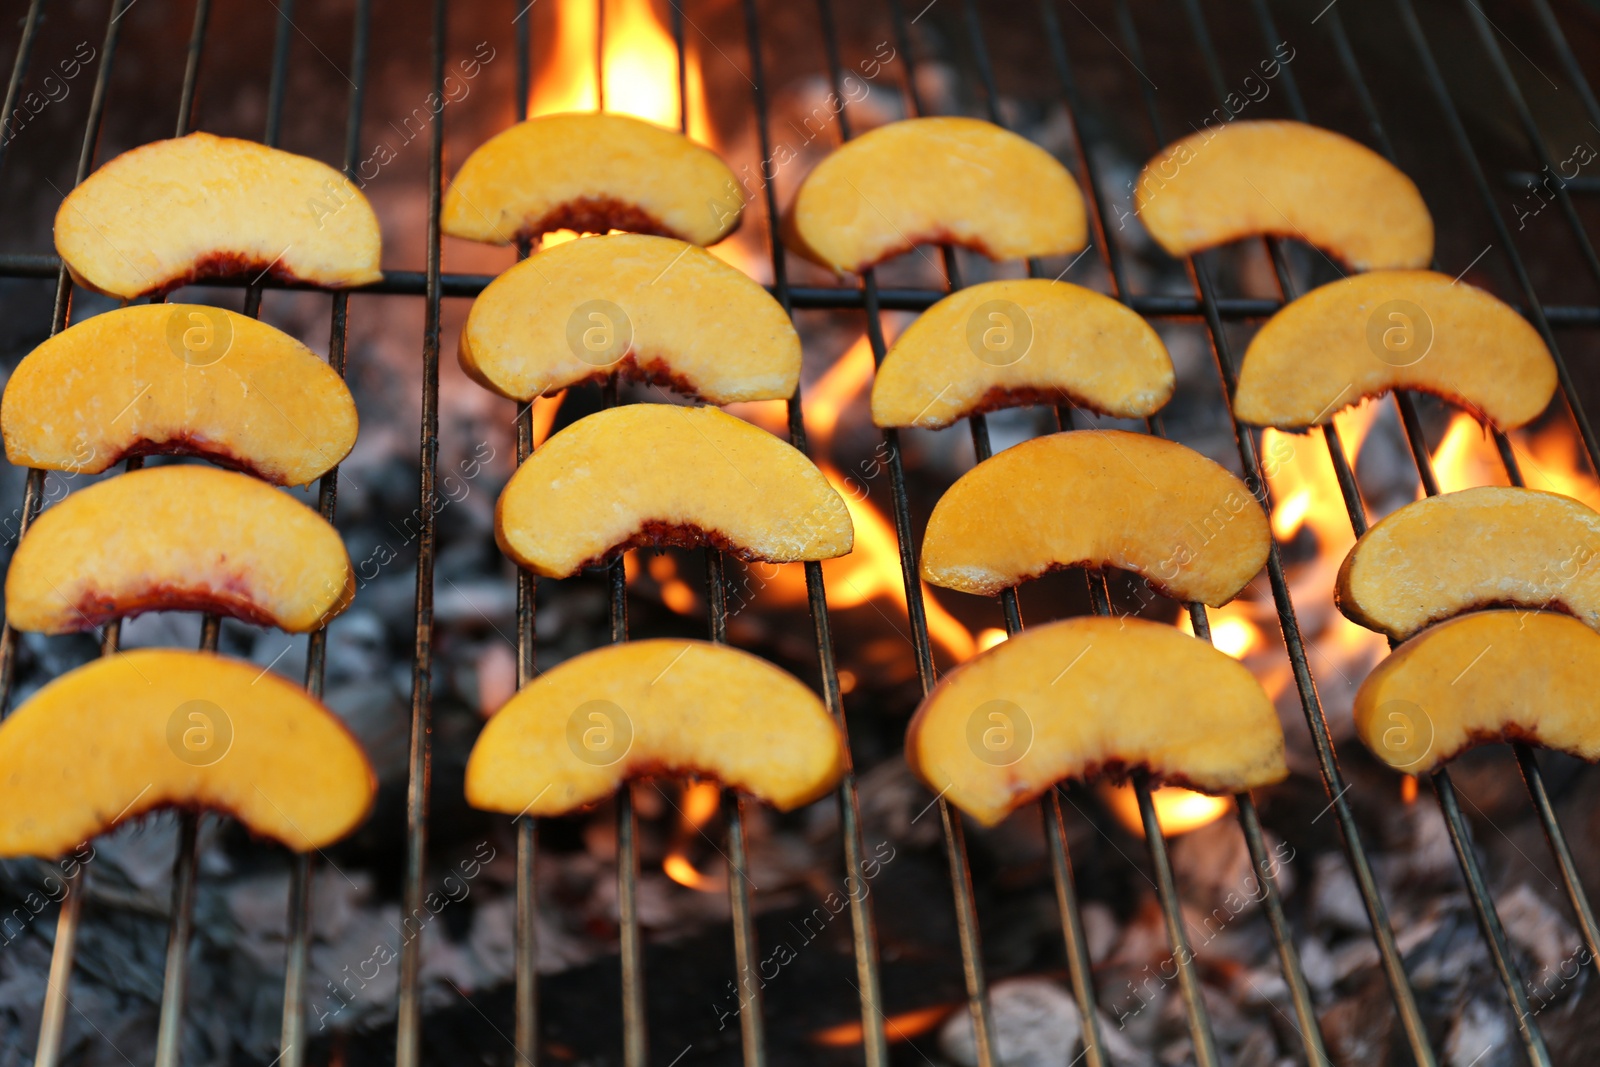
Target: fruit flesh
{"type": "Point", "coordinates": [936, 180]}
{"type": "Point", "coordinates": [1090, 697]}
{"type": "Point", "coordinates": [177, 379]}
{"type": "Point", "coordinates": [1006, 343]}
{"type": "Point", "coordinates": [1098, 498]}
{"type": "Point", "coordinates": [653, 308]}
{"type": "Point", "coordinates": [669, 707]}
{"type": "Point", "coordinates": [137, 731]}
{"type": "Point", "coordinates": [1481, 678]}
{"type": "Point", "coordinates": [177, 538]}
{"type": "Point", "coordinates": [1287, 179]}
{"type": "Point", "coordinates": [654, 474]}
{"type": "Point", "coordinates": [1485, 547]}
{"type": "Point", "coordinates": [172, 212]}
{"type": "Point", "coordinates": [591, 173]}
{"type": "Point", "coordinates": [1370, 333]}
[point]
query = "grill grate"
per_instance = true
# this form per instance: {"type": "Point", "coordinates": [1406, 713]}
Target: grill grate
{"type": "Point", "coordinates": [1213, 310]}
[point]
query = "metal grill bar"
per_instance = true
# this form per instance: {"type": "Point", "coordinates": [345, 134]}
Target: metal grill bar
{"type": "Point", "coordinates": [863, 928]}
{"type": "Point", "coordinates": [916, 613]}
{"type": "Point", "coordinates": [408, 1026]}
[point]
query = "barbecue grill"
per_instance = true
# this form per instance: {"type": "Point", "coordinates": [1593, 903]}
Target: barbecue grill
{"type": "Point", "coordinates": [1063, 29]}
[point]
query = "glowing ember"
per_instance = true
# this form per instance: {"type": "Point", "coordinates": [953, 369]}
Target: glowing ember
{"type": "Point", "coordinates": [900, 1027]}
{"type": "Point", "coordinates": [1177, 810]}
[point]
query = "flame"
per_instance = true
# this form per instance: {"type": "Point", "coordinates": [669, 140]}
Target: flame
{"type": "Point", "coordinates": [902, 1026]}
{"type": "Point", "coordinates": [836, 390]}
{"type": "Point", "coordinates": [989, 638]}
{"type": "Point", "coordinates": [1553, 460]}
{"type": "Point", "coordinates": [1465, 457]}
{"type": "Point", "coordinates": [696, 806]}
{"type": "Point", "coordinates": [641, 67]}
{"type": "Point", "coordinates": [1177, 810]}
{"type": "Point", "coordinates": [1408, 789]}
{"type": "Point", "coordinates": [675, 592]}
{"type": "Point", "coordinates": [543, 415]}
{"type": "Point", "coordinates": [1232, 630]}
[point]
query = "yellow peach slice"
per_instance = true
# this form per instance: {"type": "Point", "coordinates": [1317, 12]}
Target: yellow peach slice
{"type": "Point", "coordinates": [1093, 696]}
{"type": "Point", "coordinates": [936, 180]}
{"type": "Point", "coordinates": [177, 379]}
{"type": "Point", "coordinates": [657, 474]}
{"type": "Point", "coordinates": [1286, 179]}
{"type": "Point", "coordinates": [669, 706]}
{"type": "Point", "coordinates": [652, 308]}
{"type": "Point", "coordinates": [1009, 343]}
{"type": "Point", "coordinates": [137, 731]}
{"type": "Point", "coordinates": [1480, 678]}
{"type": "Point", "coordinates": [173, 212]}
{"type": "Point", "coordinates": [1098, 498]}
{"type": "Point", "coordinates": [184, 538]}
{"type": "Point", "coordinates": [1370, 333]}
{"type": "Point", "coordinates": [1484, 547]}
{"type": "Point", "coordinates": [591, 173]}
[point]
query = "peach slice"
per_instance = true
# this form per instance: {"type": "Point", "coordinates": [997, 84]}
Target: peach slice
{"type": "Point", "coordinates": [657, 474]}
{"type": "Point", "coordinates": [652, 308]}
{"type": "Point", "coordinates": [1098, 498]}
{"type": "Point", "coordinates": [178, 379]}
{"type": "Point", "coordinates": [1287, 179]}
{"type": "Point", "coordinates": [1484, 547]}
{"type": "Point", "coordinates": [1009, 343]}
{"type": "Point", "coordinates": [1367, 334]}
{"type": "Point", "coordinates": [137, 731]}
{"type": "Point", "coordinates": [1480, 678]}
{"type": "Point", "coordinates": [1093, 696]}
{"type": "Point", "coordinates": [184, 538]}
{"type": "Point", "coordinates": [921, 181]}
{"type": "Point", "coordinates": [172, 212]}
{"type": "Point", "coordinates": [592, 173]}
{"type": "Point", "coordinates": [668, 706]}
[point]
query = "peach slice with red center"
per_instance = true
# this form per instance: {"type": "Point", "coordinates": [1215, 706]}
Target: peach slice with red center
{"type": "Point", "coordinates": [1008, 343]}
{"type": "Point", "coordinates": [1370, 333]}
{"type": "Point", "coordinates": [177, 379]}
{"type": "Point", "coordinates": [178, 538]}
{"type": "Point", "coordinates": [658, 474]}
{"type": "Point", "coordinates": [592, 173]}
{"type": "Point", "coordinates": [651, 308]}
{"type": "Point", "coordinates": [1087, 697]}
{"type": "Point", "coordinates": [1098, 498]}
{"type": "Point", "coordinates": [1481, 678]}
{"type": "Point", "coordinates": [1285, 179]}
{"type": "Point", "coordinates": [138, 731]}
{"type": "Point", "coordinates": [930, 180]}
{"type": "Point", "coordinates": [1485, 547]}
{"type": "Point", "coordinates": [579, 730]}
{"type": "Point", "coordinates": [172, 212]}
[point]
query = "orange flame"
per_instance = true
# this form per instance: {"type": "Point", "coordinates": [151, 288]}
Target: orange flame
{"type": "Point", "coordinates": [834, 391]}
{"type": "Point", "coordinates": [1465, 457]}
{"type": "Point", "coordinates": [695, 808]}
{"type": "Point", "coordinates": [899, 1027]}
{"type": "Point", "coordinates": [675, 592]}
{"type": "Point", "coordinates": [1178, 811]}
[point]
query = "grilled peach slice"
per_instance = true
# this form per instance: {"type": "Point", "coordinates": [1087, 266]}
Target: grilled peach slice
{"type": "Point", "coordinates": [1484, 547]}
{"type": "Point", "coordinates": [1095, 696]}
{"type": "Point", "coordinates": [1480, 678]}
{"type": "Point", "coordinates": [137, 731]}
{"type": "Point", "coordinates": [657, 474]}
{"type": "Point", "coordinates": [1287, 179]}
{"type": "Point", "coordinates": [186, 538]}
{"type": "Point", "coordinates": [178, 379]}
{"type": "Point", "coordinates": [669, 706]}
{"type": "Point", "coordinates": [1367, 334]}
{"type": "Point", "coordinates": [172, 212]}
{"type": "Point", "coordinates": [1009, 343]}
{"type": "Point", "coordinates": [652, 308]}
{"type": "Point", "coordinates": [591, 173]}
{"type": "Point", "coordinates": [921, 181]}
{"type": "Point", "coordinates": [1098, 498]}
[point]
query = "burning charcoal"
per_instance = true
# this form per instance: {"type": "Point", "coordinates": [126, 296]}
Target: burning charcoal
{"type": "Point", "coordinates": [1036, 1024]}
